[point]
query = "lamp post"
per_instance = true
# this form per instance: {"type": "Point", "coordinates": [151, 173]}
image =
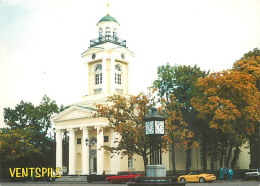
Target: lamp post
{"type": "Point", "coordinates": [88, 143]}
{"type": "Point", "coordinates": [155, 129]}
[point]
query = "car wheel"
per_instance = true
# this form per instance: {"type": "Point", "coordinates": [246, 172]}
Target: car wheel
{"type": "Point", "coordinates": [182, 180]}
{"type": "Point", "coordinates": [202, 180]}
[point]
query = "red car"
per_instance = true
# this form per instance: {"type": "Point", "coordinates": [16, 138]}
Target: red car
{"type": "Point", "coordinates": [123, 177]}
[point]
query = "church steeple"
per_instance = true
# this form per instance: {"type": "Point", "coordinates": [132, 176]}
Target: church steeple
{"type": "Point", "coordinates": [107, 59]}
{"type": "Point", "coordinates": [108, 31]}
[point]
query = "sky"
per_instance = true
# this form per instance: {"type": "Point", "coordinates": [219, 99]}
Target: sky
{"type": "Point", "coordinates": [41, 41]}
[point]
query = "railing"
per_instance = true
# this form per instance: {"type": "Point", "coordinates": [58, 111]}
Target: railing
{"type": "Point", "coordinates": [106, 39]}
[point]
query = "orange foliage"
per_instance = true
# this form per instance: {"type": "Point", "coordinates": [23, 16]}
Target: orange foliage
{"type": "Point", "coordinates": [230, 103]}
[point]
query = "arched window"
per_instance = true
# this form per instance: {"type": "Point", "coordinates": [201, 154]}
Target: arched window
{"type": "Point", "coordinates": [100, 32]}
{"type": "Point", "coordinates": [118, 75]}
{"type": "Point", "coordinates": [115, 34]}
{"type": "Point", "coordinates": [98, 74]}
{"type": "Point", "coordinates": [107, 33]}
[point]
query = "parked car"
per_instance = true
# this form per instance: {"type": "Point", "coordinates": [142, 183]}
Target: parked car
{"type": "Point", "coordinates": [252, 174]}
{"type": "Point", "coordinates": [195, 177]}
{"type": "Point", "coordinates": [123, 177]}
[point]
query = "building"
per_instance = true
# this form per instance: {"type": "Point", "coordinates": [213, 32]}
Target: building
{"type": "Point", "coordinates": [106, 63]}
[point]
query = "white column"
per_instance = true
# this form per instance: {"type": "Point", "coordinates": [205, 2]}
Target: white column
{"type": "Point", "coordinates": [88, 76]}
{"type": "Point", "coordinates": [72, 159]}
{"type": "Point", "coordinates": [59, 148]}
{"type": "Point", "coordinates": [85, 152]}
{"type": "Point", "coordinates": [104, 75]}
{"type": "Point", "coordinates": [100, 151]}
{"type": "Point", "coordinates": [112, 83]}
{"type": "Point", "coordinates": [115, 160]}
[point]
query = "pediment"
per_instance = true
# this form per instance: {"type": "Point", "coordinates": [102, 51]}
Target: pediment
{"type": "Point", "coordinates": [73, 113]}
{"type": "Point", "coordinates": [92, 50]}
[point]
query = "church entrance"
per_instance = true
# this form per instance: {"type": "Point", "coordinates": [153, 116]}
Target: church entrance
{"type": "Point", "coordinates": [93, 156]}
{"type": "Point", "coordinates": [93, 161]}
{"type": "Point", "coordinates": [95, 164]}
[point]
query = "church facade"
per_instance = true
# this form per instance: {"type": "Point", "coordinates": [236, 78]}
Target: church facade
{"type": "Point", "coordinates": [106, 64]}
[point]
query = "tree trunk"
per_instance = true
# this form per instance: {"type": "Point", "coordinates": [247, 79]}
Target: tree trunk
{"type": "Point", "coordinates": [212, 160]}
{"type": "Point", "coordinates": [234, 160]}
{"type": "Point", "coordinates": [204, 155]}
{"type": "Point", "coordinates": [228, 156]}
{"type": "Point", "coordinates": [254, 153]}
{"type": "Point", "coordinates": [145, 160]}
{"type": "Point", "coordinates": [212, 155]}
{"type": "Point", "coordinates": [173, 160]}
{"type": "Point", "coordinates": [221, 159]}
{"type": "Point", "coordinates": [188, 159]}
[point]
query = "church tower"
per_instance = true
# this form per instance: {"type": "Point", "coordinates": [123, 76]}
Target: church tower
{"type": "Point", "coordinates": [107, 60]}
{"type": "Point", "coordinates": [106, 63]}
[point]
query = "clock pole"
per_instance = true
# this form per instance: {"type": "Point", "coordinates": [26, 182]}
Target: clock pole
{"type": "Point", "coordinates": [155, 129]}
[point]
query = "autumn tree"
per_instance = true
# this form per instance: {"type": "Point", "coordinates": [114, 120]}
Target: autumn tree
{"type": "Point", "coordinates": [250, 64]}
{"type": "Point", "coordinates": [230, 105]}
{"type": "Point", "coordinates": [181, 81]}
{"type": "Point", "coordinates": [176, 130]}
{"type": "Point", "coordinates": [126, 115]}
{"type": "Point", "coordinates": [27, 140]}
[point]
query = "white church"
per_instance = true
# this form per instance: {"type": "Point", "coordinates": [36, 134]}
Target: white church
{"type": "Point", "coordinates": [106, 64]}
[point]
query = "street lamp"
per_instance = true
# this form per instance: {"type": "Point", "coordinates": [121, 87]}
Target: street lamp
{"type": "Point", "coordinates": [89, 143]}
{"type": "Point", "coordinates": [155, 129]}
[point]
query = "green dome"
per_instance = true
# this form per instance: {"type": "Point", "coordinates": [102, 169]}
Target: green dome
{"type": "Point", "coordinates": [108, 18]}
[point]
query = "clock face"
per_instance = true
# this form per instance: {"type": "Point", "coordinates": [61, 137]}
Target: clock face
{"type": "Point", "coordinates": [149, 127]}
{"type": "Point", "coordinates": [159, 127]}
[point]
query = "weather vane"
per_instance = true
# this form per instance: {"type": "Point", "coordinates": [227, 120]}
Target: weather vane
{"type": "Point", "coordinates": [108, 7]}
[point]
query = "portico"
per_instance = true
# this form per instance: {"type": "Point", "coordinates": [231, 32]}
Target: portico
{"type": "Point", "coordinates": [79, 151]}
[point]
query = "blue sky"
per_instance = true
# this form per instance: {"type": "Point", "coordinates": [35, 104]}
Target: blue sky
{"type": "Point", "coordinates": [41, 41]}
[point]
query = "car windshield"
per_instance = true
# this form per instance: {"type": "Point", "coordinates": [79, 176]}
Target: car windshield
{"type": "Point", "coordinates": [133, 173]}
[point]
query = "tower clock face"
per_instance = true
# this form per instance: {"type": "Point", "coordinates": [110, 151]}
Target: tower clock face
{"type": "Point", "coordinates": [159, 127]}
{"type": "Point", "coordinates": [149, 127]}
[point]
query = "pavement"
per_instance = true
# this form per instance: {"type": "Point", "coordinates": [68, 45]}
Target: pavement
{"type": "Point", "coordinates": [215, 183]}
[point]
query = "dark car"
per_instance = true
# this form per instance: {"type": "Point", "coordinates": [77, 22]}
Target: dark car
{"type": "Point", "coordinates": [123, 177]}
{"type": "Point", "coordinates": [252, 174]}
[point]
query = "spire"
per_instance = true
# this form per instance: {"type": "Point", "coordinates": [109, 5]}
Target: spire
{"type": "Point", "coordinates": [107, 7]}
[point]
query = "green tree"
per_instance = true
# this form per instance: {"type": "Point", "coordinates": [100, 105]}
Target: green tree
{"type": "Point", "coordinates": [176, 130]}
{"type": "Point", "coordinates": [29, 130]}
{"type": "Point", "coordinates": [181, 81]}
{"type": "Point", "coordinates": [17, 149]}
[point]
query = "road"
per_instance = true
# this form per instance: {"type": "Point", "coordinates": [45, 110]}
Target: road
{"type": "Point", "coordinates": [217, 183]}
